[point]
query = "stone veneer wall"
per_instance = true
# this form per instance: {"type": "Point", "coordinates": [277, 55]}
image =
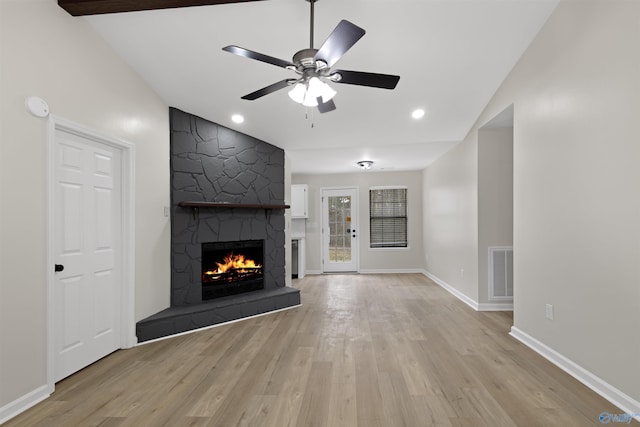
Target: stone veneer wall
{"type": "Point", "coordinates": [215, 164]}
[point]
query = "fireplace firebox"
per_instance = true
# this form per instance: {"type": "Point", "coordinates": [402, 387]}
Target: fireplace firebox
{"type": "Point", "coordinates": [230, 268]}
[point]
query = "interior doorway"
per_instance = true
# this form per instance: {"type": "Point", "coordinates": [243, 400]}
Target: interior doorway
{"type": "Point", "coordinates": [90, 251]}
{"type": "Point", "coordinates": [495, 212]}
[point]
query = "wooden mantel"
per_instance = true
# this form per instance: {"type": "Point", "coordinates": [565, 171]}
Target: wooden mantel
{"type": "Point", "coordinates": [230, 205]}
{"type": "Point", "coordinates": [226, 205]}
{"type": "Point", "coordinates": [97, 7]}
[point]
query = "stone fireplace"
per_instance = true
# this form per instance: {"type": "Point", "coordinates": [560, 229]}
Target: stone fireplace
{"type": "Point", "coordinates": [227, 196]}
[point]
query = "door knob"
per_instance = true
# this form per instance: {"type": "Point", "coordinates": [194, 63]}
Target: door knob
{"type": "Point", "coordinates": [58, 267]}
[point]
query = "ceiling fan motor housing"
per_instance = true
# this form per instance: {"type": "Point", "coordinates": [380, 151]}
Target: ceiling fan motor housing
{"type": "Point", "coordinates": [305, 60]}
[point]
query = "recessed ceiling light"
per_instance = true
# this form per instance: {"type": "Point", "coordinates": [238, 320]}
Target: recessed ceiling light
{"type": "Point", "coordinates": [237, 118]}
{"type": "Point", "coordinates": [418, 114]}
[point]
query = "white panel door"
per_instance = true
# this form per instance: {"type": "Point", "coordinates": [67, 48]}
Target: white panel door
{"type": "Point", "coordinates": [339, 226]}
{"type": "Point", "coordinates": [87, 231]}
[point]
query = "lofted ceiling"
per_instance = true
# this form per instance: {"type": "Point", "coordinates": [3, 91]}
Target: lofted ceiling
{"type": "Point", "coordinates": [451, 56]}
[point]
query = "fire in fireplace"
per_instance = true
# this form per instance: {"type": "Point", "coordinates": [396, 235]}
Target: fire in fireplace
{"type": "Point", "coordinates": [230, 268]}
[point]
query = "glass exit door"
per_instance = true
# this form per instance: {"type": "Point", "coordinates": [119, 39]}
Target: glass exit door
{"type": "Point", "coordinates": [339, 230]}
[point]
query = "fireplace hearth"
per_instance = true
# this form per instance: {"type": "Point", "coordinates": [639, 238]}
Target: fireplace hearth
{"type": "Point", "coordinates": [230, 268]}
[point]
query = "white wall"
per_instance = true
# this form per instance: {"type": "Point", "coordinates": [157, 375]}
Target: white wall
{"type": "Point", "coordinates": [450, 212]}
{"type": "Point", "coordinates": [495, 200]}
{"type": "Point", "coordinates": [48, 53]}
{"type": "Point", "coordinates": [370, 259]}
{"type": "Point", "coordinates": [287, 218]}
{"type": "Point", "coordinates": [576, 96]}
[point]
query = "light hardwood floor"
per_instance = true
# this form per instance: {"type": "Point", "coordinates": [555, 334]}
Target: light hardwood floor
{"type": "Point", "coordinates": [363, 350]}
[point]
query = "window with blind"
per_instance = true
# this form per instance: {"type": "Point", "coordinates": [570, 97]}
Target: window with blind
{"type": "Point", "coordinates": [388, 217]}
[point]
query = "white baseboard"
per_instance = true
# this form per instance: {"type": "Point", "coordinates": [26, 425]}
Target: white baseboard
{"type": "Point", "coordinates": [371, 271]}
{"type": "Point", "coordinates": [392, 271]}
{"type": "Point", "coordinates": [453, 291]}
{"type": "Point", "coordinates": [465, 299]}
{"type": "Point", "coordinates": [374, 271]}
{"type": "Point", "coordinates": [495, 307]}
{"type": "Point", "coordinates": [604, 389]}
{"type": "Point", "coordinates": [312, 272]}
{"type": "Point", "coordinates": [23, 403]}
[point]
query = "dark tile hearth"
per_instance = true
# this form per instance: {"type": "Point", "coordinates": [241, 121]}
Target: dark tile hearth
{"type": "Point", "coordinates": [175, 320]}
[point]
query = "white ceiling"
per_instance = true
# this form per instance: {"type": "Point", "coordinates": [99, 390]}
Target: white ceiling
{"type": "Point", "coordinates": [451, 56]}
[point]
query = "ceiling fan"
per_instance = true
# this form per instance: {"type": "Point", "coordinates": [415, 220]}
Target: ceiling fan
{"type": "Point", "coordinates": [313, 67]}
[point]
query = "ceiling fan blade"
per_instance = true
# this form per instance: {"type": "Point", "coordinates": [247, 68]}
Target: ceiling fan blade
{"type": "Point", "coordinates": [325, 107]}
{"type": "Point", "coordinates": [95, 7]}
{"type": "Point", "coordinates": [339, 41]}
{"type": "Point", "coordinates": [384, 81]}
{"type": "Point", "coordinates": [269, 89]}
{"type": "Point", "coordinates": [258, 56]}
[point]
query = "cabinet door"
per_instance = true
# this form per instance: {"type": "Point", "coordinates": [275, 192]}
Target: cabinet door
{"type": "Point", "coordinates": [299, 201]}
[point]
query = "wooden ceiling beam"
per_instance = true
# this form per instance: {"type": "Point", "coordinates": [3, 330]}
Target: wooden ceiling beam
{"type": "Point", "coordinates": [97, 7]}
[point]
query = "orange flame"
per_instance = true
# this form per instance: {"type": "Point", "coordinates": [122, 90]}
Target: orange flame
{"type": "Point", "coordinates": [235, 262]}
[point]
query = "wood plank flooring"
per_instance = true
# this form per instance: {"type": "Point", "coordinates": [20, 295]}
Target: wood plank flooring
{"type": "Point", "coordinates": [362, 351]}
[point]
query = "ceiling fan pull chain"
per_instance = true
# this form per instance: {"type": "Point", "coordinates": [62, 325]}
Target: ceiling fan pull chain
{"type": "Point", "coordinates": [306, 117]}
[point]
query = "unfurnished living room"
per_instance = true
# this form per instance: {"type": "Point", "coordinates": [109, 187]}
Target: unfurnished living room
{"type": "Point", "coordinates": [319, 213]}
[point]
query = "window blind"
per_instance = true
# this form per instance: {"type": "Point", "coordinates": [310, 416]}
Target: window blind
{"type": "Point", "coordinates": [388, 217]}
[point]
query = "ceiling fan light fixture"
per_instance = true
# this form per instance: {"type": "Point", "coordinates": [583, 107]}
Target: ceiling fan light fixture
{"type": "Point", "coordinates": [298, 92]}
{"type": "Point", "coordinates": [318, 88]}
{"type": "Point", "coordinates": [310, 101]}
{"type": "Point", "coordinates": [327, 93]}
{"type": "Point", "coordinates": [308, 93]}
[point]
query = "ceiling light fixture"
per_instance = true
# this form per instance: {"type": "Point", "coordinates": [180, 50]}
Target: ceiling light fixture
{"type": "Point", "coordinates": [237, 118]}
{"type": "Point", "coordinates": [308, 93]}
{"type": "Point", "coordinates": [365, 164]}
{"type": "Point", "coordinates": [418, 113]}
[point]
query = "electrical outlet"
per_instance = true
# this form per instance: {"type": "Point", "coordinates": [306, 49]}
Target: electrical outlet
{"type": "Point", "coordinates": [166, 211]}
{"type": "Point", "coordinates": [548, 310]}
{"type": "Point", "coordinates": [462, 273]}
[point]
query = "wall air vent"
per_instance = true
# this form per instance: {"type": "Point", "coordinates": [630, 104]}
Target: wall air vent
{"type": "Point", "coordinates": [501, 273]}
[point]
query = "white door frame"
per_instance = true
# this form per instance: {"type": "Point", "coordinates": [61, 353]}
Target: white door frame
{"type": "Point", "coordinates": [127, 150]}
{"type": "Point", "coordinates": [322, 219]}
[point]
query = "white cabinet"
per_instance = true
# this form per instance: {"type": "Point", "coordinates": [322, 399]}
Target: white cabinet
{"type": "Point", "coordinates": [299, 201]}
